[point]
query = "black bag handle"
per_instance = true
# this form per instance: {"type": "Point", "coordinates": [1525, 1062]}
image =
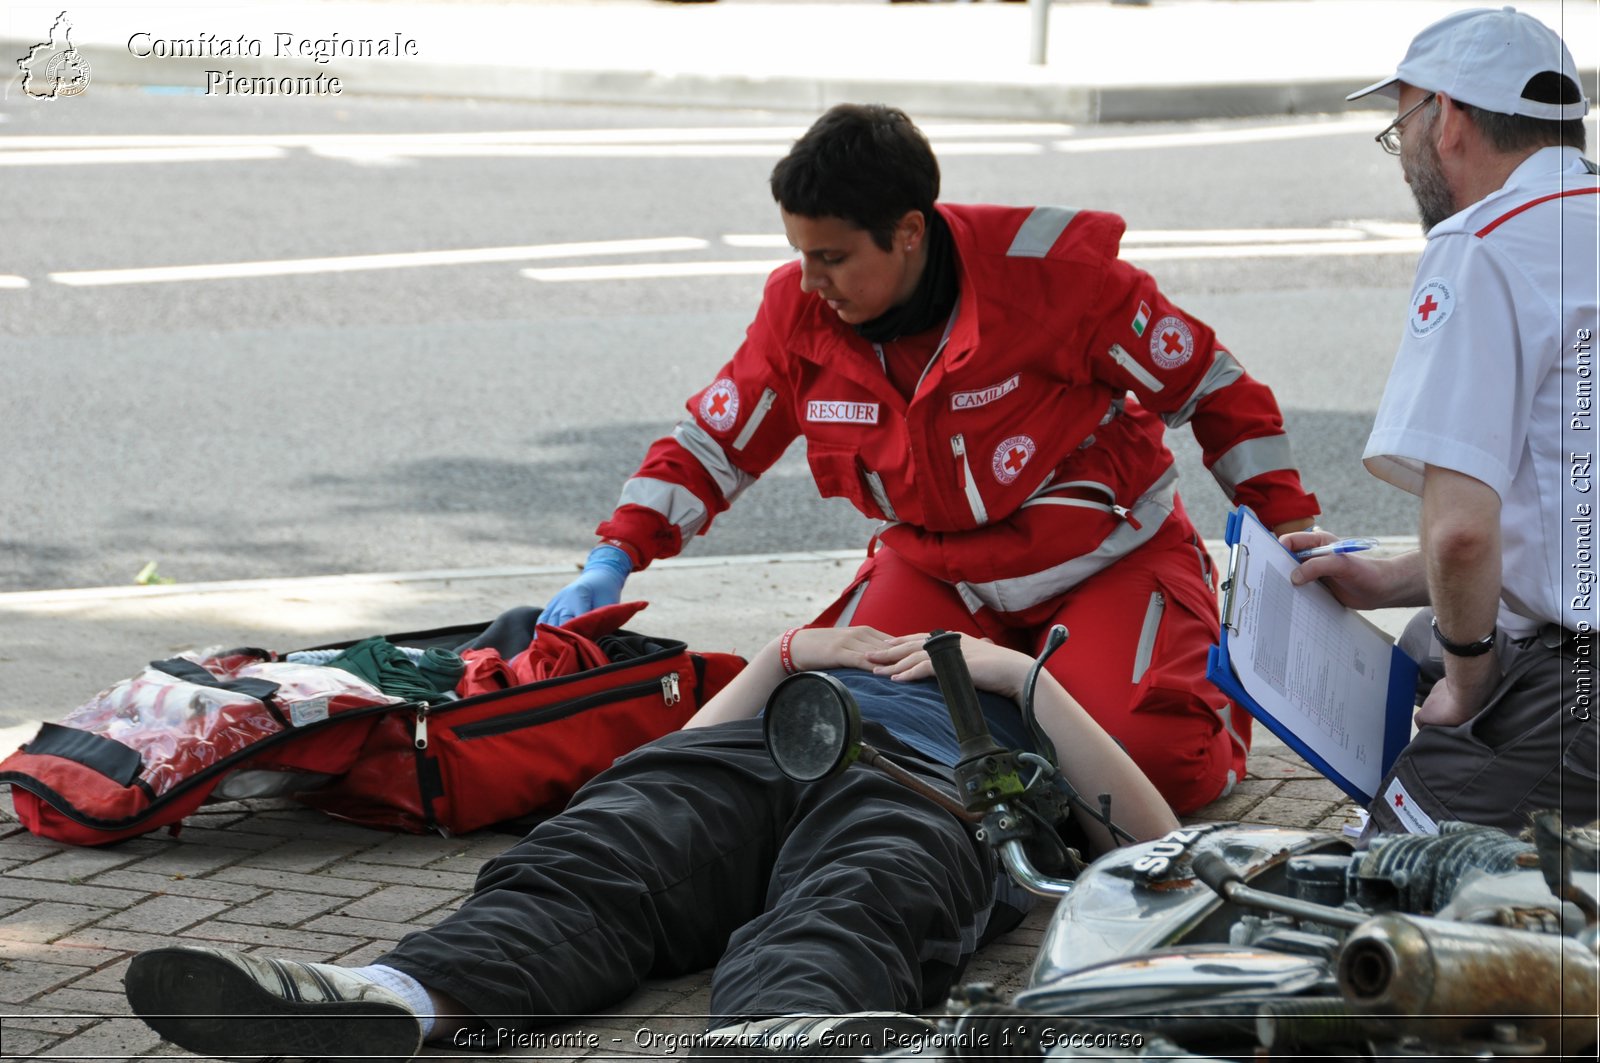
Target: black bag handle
{"type": "Point", "coordinates": [263, 690]}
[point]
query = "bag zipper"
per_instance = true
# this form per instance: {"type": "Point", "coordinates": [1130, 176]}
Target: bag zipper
{"type": "Point", "coordinates": [969, 486]}
{"type": "Point", "coordinates": [666, 686]}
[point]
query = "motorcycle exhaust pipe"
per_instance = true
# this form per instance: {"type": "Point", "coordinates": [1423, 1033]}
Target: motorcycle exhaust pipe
{"type": "Point", "coordinates": [1444, 979]}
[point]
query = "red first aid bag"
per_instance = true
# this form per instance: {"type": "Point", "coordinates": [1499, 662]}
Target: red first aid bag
{"type": "Point", "coordinates": [524, 734]}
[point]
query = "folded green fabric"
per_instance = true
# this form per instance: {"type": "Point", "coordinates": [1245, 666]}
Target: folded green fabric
{"type": "Point", "coordinates": [384, 665]}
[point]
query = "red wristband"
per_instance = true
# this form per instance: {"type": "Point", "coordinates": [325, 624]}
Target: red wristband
{"type": "Point", "coordinates": [783, 650]}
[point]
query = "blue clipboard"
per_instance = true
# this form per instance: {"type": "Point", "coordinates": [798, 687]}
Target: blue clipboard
{"type": "Point", "coordinates": [1219, 669]}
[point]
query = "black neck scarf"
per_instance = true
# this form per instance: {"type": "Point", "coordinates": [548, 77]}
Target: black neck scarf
{"type": "Point", "coordinates": [934, 297]}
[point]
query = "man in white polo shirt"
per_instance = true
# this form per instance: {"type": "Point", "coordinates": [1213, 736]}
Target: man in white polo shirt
{"type": "Point", "coordinates": [1488, 416]}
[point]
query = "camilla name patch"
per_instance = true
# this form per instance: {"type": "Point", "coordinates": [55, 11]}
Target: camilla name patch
{"type": "Point", "coordinates": [971, 400]}
{"type": "Point", "coordinates": [840, 412]}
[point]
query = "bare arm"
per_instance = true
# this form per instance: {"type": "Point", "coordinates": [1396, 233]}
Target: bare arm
{"type": "Point", "coordinates": [1461, 546]}
{"type": "Point", "coordinates": [1093, 762]}
{"type": "Point", "coordinates": [1358, 581]}
{"type": "Point", "coordinates": [824, 647]}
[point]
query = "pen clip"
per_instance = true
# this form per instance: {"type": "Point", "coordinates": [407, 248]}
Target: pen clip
{"type": "Point", "coordinates": [1238, 559]}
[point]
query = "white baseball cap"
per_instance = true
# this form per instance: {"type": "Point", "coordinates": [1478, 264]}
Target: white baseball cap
{"type": "Point", "coordinates": [1486, 58]}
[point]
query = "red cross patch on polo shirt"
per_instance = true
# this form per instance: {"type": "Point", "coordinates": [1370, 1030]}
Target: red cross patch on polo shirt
{"type": "Point", "coordinates": [1010, 457]}
{"type": "Point", "coordinates": [1171, 342]}
{"type": "Point", "coordinates": [719, 406]}
{"type": "Point", "coordinates": [1431, 306]}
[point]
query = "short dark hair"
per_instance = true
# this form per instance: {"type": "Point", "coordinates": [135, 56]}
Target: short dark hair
{"type": "Point", "coordinates": [865, 163]}
{"type": "Point", "coordinates": [1516, 132]}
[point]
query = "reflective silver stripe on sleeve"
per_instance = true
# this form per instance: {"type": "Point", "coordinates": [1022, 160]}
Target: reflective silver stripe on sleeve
{"type": "Point", "coordinates": [675, 502]}
{"type": "Point", "coordinates": [1022, 592]}
{"type": "Point", "coordinates": [1252, 458]}
{"type": "Point", "coordinates": [731, 481]}
{"type": "Point", "coordinates": [1224, 370]}
{"type": "Point", "coordinates": [1040, 232]}
{"type": "Point", "coordinates": [768, 397]}
{"type": "Point", "coordinates": [1139, 372]}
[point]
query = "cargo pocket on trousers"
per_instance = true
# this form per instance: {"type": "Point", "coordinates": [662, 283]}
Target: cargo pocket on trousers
{"type": "Point", "coordinates": [1582, 756]}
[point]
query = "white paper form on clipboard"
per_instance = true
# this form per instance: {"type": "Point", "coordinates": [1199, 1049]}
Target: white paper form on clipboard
{"type": "Point", "coordinates": [1322, 677]}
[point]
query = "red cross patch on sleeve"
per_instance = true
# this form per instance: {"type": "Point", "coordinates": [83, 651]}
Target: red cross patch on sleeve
{"type": "Point", "coordinates": [1431, 306]}
{"type": "Point", "coordinates": [1171, 342]}
{"type": "Point", "coordinates": [719, 406]}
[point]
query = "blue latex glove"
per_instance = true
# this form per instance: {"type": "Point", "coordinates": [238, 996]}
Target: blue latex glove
{"type": "Point", "coordinates": [604, 573]}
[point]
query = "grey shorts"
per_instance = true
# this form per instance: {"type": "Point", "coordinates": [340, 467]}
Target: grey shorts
{"type": "Point", "coordinates": [1533, 747]}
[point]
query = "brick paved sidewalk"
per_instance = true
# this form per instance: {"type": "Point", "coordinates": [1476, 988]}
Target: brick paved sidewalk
{"type": "Point", "coordinates": [273, 877]}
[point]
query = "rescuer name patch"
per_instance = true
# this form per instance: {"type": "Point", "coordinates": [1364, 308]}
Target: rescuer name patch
{"type": "Point", "coordinates": [840, 412]}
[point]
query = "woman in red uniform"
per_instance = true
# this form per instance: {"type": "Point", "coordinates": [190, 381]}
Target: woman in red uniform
{"type": "Point", "coordinates": [994, 384]}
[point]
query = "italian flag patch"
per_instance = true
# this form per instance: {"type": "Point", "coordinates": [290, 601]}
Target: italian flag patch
{"type": "Point", "coordinates": [1141, 319]}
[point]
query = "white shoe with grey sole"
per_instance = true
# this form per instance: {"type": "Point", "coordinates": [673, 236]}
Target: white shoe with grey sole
{"type": "Point", "coordinates": [226, 1004]}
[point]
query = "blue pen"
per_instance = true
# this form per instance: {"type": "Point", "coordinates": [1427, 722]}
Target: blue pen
{"type": "Point", "coordinates": [1343, 546]}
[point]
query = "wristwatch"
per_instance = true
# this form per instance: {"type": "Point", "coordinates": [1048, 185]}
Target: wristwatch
{"type": "Point", "coordinates": [1464, 649]}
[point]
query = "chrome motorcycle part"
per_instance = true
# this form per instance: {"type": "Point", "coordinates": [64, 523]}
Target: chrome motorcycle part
{"type": "Point", "coordinates": [1442, 979]}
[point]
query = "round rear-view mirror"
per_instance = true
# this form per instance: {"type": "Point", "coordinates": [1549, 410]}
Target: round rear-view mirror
{"type": "Point", "coordinates": [812, 726]}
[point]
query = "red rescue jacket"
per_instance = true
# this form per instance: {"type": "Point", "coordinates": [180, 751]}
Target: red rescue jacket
{"type": "Point", "coordinates": [1031, 454]}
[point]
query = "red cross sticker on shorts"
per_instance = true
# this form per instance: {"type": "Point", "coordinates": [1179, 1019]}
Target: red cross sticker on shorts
{"type": "Point", "coordinates": [719, 405]}
{"type": "Point", "coordinates": [1011, 456]}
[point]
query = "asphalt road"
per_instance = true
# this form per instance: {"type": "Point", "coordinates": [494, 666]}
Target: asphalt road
{"type": "Point", "coordinates": [331, 416]}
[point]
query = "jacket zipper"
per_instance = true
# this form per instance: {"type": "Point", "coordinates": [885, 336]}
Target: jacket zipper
{"type": "Point", "coordinates": [667, 687]}
{"type": "Point", "coordinates": [763, 404]}
{"type": "Point", "coordinates": [958, 445]}
{"type": "Point", "coordinates": [1148, 633]}
{"type": "Point", "coordinates": [1137, 371]}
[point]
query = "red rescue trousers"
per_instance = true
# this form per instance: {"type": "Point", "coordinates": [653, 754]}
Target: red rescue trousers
{"type": "Point", "coordinates": [1135, 657]}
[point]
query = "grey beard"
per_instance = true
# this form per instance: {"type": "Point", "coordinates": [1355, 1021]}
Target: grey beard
{"type": "Point", "coordinates": [1428, 187]}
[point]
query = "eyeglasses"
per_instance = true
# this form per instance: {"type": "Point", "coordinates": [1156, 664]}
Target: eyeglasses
{"type": "Point", "coordinates": [1389, 139]}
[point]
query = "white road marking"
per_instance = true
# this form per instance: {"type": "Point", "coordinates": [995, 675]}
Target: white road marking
{"type": "Point", "coordinates": [1140, 245]}
{"type": "Point", "coordinates": [653, 270]}
{"type": "Point", "coordinates": [704, 142]}
{"type": "Point", "coordinates": [1356, 231]}
{"type": "Point", "coordinates": [119, 156]}
{"type": "Point", "coordinates": [1310, 250]}
{"type": "Point", "coordinates": [717, 134]}
{"type": "Point", "coordinates": [1206, 137]}
{"type": "Point", "coordinates": [349, 263]}
{"type": "Point", "coordinates": [10, 281]}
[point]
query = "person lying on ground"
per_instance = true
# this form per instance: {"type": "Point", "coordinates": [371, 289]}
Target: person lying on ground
{"type": "Point", "coordinates": [815, 902]}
